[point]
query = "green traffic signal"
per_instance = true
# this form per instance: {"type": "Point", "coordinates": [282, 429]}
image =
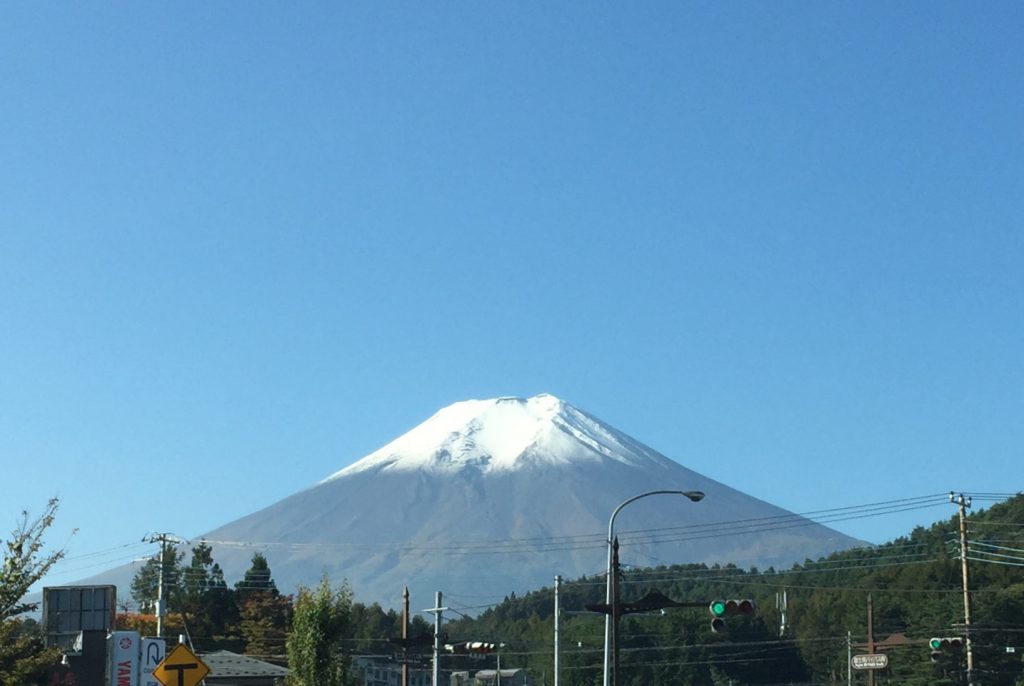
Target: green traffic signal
{"type": "Point", "coordinates": [935, 643]}
{"type": "Point", "coordinates": [717, 608]}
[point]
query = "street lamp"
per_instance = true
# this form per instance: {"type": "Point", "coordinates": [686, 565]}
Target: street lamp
{"type": "Point", "coordinates": [694, 496]}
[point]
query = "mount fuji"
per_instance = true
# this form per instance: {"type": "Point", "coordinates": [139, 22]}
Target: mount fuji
{"type": "Point", "coordinates": [490, 497]}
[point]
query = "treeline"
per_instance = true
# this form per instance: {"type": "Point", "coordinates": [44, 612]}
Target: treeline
{"type": "Point", "coordinates": [806, 615]}
{"type": "Point", "coordinates": [251, 617]}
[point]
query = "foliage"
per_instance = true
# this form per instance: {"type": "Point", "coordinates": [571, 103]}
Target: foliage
{"type": "Point", "coordinates": [914, 583]}
{"type": "Point", "coordinates": [23, 563]}
{"type": "Point", "coordinates": [206, 603]}
{"type": "Point", "coordinates": [23, 659]}
{"type": "Point", "coordinates": [321, 621]}
{"type": "Point", "coordinates": [265, 621]}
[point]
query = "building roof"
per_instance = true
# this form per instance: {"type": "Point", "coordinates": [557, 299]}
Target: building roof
{"type": "Point", "coordinates": [225, 664]}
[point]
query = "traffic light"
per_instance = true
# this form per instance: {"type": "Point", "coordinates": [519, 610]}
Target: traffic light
{"type": "Point", "coordinates": [471, 647]}
{"type": "Point", "coordinates": [942, 645]}
{"type": "Point", "coordinates": [720, 609]}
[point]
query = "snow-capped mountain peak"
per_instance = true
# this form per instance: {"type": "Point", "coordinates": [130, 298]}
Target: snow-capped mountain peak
{"type": "Point", "coordinates": [502, 434]}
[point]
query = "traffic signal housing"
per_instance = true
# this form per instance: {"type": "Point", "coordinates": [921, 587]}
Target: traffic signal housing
{"type": "Point", "coordinates": [471, 647]}
{"type": "Point", "coordinates": [941, 646]}
{"type": "Point", "coordinates": [720, 609]}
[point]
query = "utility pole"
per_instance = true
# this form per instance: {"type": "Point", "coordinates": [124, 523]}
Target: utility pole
{"type": "Point", "coordinates": [405, 636]}
{"type": "Point", "coordinates": [437, 611]}
{"type": "Point", "coordinates": [558, 620]}
{"type": "Point", "coordinates": [163, 539]}
{"type": "Point", "coordinates": [849, 658]}
{"type": "Point", "coordinates": [871, 637]}
{"type": "Point", "coordinates": [962, 504]}
{"type": "Point", "coordinates": [782, 604]}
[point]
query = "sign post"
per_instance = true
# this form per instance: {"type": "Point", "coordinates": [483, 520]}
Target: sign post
{"type": "Point", "coordinates": [181, 667]}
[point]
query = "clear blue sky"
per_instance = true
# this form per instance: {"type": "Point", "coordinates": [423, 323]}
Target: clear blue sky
{"type": "Point", "coordinates": [244, 244]}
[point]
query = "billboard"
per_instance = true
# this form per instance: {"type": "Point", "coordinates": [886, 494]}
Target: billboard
{"type": "Point", "coordinates": [68, 610]}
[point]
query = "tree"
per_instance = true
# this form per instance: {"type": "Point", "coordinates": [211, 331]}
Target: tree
{"type": "Point", "coordinates": [258, 579]}
{"type": "Point", "coordinates": [146, 583]}
{"type": "Point", "coordinates": [206, 602]}
{"type": "Point", "coordinates": [23, 659]}
{"type": "Point", "coordinates": [265, 619]}
{"type": "Point", "coordinates": [264, 613]}
{"type": "Point", "coordinates": [320, 622]}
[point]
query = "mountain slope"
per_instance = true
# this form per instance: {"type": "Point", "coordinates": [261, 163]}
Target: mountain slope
{"type": "Point", "coordinates": [488, 497]}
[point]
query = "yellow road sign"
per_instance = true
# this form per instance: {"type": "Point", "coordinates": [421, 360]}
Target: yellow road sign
{"type": "Point", "coordinates": [181, 667]}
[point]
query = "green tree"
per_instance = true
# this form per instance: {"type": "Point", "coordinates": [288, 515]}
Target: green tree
{"type": "Point", "coordinates": [23, 659]}
{"type": "Point", "coordinates": [257, 579]}
{"type": "Point", "coordinates": [146, 582]}
{"type": "Point", "coordinates": [207, 604]}
{"type": "Point", "coordinates": [320, 622]}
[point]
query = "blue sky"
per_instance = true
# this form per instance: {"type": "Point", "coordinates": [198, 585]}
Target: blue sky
{"type": "Point", "coordinates": [244, 244]}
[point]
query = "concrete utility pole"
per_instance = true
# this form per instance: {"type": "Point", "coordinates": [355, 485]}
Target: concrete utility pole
{"type": "Point", "coordinates": [849, 658]}
{"type": "Point", "coordinates": [437, 611]}
{"type": "Point", "coordinates": [558, 620]}
{"type": "Point", "coordinates": [163, 539]}
{"type": "Point", "coordinates": [871, 637]}
{"type": "Point", "coordinates": [963, 503]}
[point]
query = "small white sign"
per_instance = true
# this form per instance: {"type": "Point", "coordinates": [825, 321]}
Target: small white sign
{"type": "Point", "coordinates": [870, 661]}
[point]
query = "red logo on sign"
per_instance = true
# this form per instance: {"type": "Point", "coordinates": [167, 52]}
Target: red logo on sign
{"type": "Point", "coordinates": [126, 643]}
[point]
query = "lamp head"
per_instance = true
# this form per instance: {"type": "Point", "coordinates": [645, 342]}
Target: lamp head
{"type": "Point", "coordinates": [695, 496]}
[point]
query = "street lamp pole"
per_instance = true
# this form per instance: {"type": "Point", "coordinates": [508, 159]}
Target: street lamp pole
{"type": "Point", "coordinates": [610, 599]}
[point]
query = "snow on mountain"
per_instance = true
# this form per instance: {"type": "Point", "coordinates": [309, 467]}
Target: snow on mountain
{"type": "Point", "coordinates": [502, 434]}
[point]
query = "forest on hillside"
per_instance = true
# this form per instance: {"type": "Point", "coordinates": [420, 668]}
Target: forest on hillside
{"type": "Point", "coordinates": [809, 618]}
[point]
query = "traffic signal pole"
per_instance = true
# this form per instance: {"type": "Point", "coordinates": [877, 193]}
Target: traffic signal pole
{"type": "Point", "coordinates": [962, 504]}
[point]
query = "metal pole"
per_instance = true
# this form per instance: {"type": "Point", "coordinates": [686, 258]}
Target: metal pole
{"type": "Point", "coordinates": [558, 619]}
{"type": "Point", "coordinates": [694, 496]}
{"type": "Point", "coordinates": [963, 504]}
{"type": "Point", "coordinates": [615, 613]}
